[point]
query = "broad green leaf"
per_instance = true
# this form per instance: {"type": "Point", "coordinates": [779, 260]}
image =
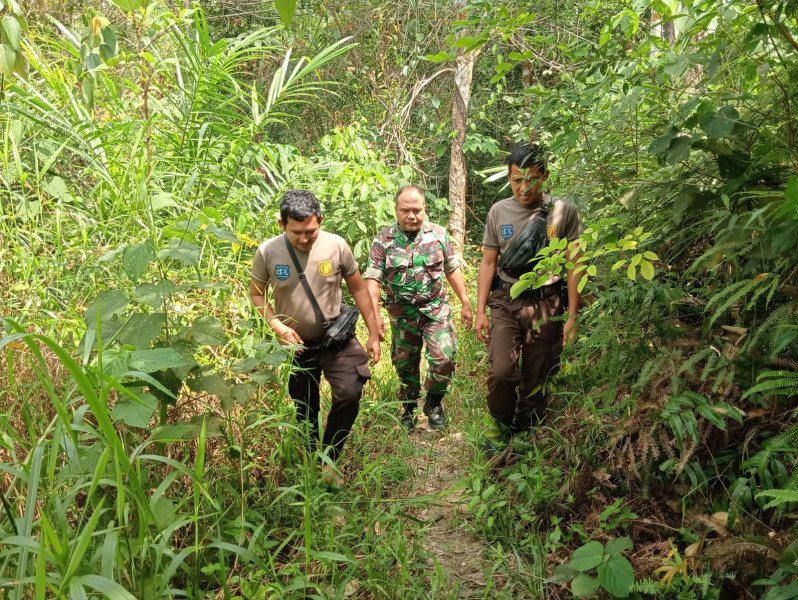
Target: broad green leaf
{"type": "Point", "coordinates": [244, 365]}
{"type": "Point", "coordinates": [791, 191]}
{"type": "Point", "coordinates": [334, 556]}
{"type": "Point", "coordinates": [617, 576]}
{"type": "Point", "coordinates": [128, 5]}
{"type": "Point", "coordinates": [721, 123]}
{"type": "Point", "coordinates": [630, 272]}
{"type": "Point", "coordinates": [588, 556]}
{"type": "Point", "coordinates": [709, 413]}
{"type": "Point", "coordinates": [223, 234]}
{"type": "Point", "coordinates": [679, 149]}
{"type": "Point", "coordinates": [584, 585]}
{"type": "Point", "coordinates": [185, 252]}
{"type": "Point", "coordinates": [618, 265]}
{"type": "Point", "coordinates": [784, 236]}
{"type": "Point", "coordinates": [618, 545]}
{"type": "Point", "coordinates": [134, 413]}
{"type": "Point", "coordinates": [244, 391]}
{"type": "Point", "coordinates": [8, 58]}
{"type": "Point", "coordinates": [463, 42]}
{"type": "Point", "coordinates": [562, 574]}
{"type": "Point", "coordinates": [154, 294]}
{"type": "Point", "coordinates": [161, 199]}
{"type": "Point", "coordinates": [156, 359]}
{"type": "Point", "coordinates": [676, 65]}
{"type": "Point", "coordinates": [207, 331]}
{"type": "Point", "coordinates": [136, 258]}
{"type": "Point", "coordinates": [285, 8]}
{"type": "Point", "coordinates": [142, 330]}
{"type": "Point", "coordinates": [110, 303]}
{"type": "Point", "coordinates": [56, 187]}
{"type": "Point", "coordinates": [216, 385]}
{"type": "Point", "coordinates": [176, 432]}
{"type": "Point", "coordinates": [87, 91]}
{"type": "Point", "coordinates": [12, 32]}
{"type": "Point", "coordinates": [439, 57]}
{"type": "Point", "coordinates": [661, 144]}
{"type": "Point", "coordinates": [646, 269]}
{"type": "Point", "coordinates": [650, 255]}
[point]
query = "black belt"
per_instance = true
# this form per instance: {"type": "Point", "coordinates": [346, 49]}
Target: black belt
{"type": "Point", "coordinates": [530, 293]}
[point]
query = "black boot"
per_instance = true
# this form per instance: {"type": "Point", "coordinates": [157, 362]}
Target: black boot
{"type": "Point", "coordinates": [409, 418]}
{"type": "Point", "coordinates": [434, 411]}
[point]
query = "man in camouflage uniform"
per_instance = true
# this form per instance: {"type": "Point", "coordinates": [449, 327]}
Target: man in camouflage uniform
{"type": "Point", "coordinates": [411, 257]}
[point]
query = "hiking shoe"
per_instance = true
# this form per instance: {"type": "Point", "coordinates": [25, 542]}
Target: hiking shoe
{"type": "Point", "coordinates": [409, 419]}
{"type": "Point", "coordinates": [332, 478]}
{"type": "Point", "coordinates": [435, 416]}
{"type": "Point", "coordinates": [497, 434]}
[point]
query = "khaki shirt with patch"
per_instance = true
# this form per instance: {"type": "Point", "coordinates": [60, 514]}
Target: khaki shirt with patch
{"type": "Point", "coordinates": [507, 219]}
{"type": "Point", "coordinates": [329, 260]}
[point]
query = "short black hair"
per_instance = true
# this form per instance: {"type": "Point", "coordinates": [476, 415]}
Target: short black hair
{"type": "Point", "coordinates": [525, 156]}
{"type": "Point", "coordinates": [404, 188]}
{"type": "Point", "coordinates": [299, 205]}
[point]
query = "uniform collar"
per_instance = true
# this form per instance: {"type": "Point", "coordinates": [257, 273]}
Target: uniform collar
{"type": "Point", "coordinates": [395, 231]}
{"type": "Point", "coordinates": [547, 199]}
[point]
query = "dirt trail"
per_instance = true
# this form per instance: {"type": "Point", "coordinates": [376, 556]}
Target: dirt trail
{"type": "Point", "coordinates": [460, 555]}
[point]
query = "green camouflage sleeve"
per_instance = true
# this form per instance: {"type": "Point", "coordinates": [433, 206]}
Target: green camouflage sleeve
{"type": "Point", "coordinates": [376, 263]}
{"type": "Point", "coordinates": [451, 259]}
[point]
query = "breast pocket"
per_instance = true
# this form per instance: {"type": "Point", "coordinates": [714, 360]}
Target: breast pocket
{"type": "Point", "coordinates": [397, 267]}
{"type": "Point", "coordinates": [433, 263]}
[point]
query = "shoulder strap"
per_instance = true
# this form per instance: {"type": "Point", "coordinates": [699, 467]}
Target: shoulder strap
{"type": "Point", "coordinates": [304, 281]}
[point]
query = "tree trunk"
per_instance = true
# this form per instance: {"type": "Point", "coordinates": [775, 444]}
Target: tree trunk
{"type": "Point", "coordinates": [464, 69]}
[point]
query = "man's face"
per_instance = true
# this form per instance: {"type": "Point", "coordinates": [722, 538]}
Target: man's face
{"type": "Point", "coordinates": [302, 234]}
{"type": "Point", "coordinates": [527, 184]}
{"type": "Point", "coordinates": [410, 211]}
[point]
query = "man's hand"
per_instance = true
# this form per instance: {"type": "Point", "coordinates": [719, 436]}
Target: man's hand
{"type": "Point", "coordinates": [287, 336]}
{"type": "Point", "coordinates": [569, 330]}
{"type": "Point", "coordinates": [482, 327]}
{"type": "Point", "coordinates": [466, 317]}
{"type": "Point", "coordinates": [383, 327]}
{"type": "Point", "coordinates": [373, 349]}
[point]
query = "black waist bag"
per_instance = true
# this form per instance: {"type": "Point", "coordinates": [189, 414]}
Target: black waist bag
{"type": "Point", "coordinates": [519, 257]}
{"type": "Point", "coordinates": [342, 328]}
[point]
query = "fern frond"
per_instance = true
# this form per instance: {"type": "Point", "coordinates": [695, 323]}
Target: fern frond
{"type": "Point", "coordinates": [779, 497]}
{"type": "Point", "coordinates": [775, 380]}
{"type": "Point", "coordinates": [647, 586]}
{"type": "Point", "coordinates": [714, 251]}
{"type": "Point", "coordinates": [702, 354]}
{"type": "Point", "coordinates": [781, 316]}
{"type": "Point", "coordinates": [786, 440]}
{"type": "Point", "coordinates": [731, 294]}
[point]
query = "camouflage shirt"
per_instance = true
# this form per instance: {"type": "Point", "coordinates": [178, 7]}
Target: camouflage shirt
{"type": "Point", "coordinates": [413, 269]}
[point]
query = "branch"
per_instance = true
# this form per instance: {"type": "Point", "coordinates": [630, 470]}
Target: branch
{"type": "Point", "coordinates": [420, 85]}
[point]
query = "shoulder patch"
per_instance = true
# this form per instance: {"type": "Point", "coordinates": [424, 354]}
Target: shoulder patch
{"type": "Point", "coordinates": [506, 231]}
{"type": "Point", "coordinates": [282, 272]}
{"type": "Point", "coordinates": [551, 231]}
{"type": "Point", "coordinates": [325, 268]}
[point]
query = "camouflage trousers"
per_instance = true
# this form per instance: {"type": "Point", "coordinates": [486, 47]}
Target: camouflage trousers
{"type": "Point", "coordinates": [409, 332]}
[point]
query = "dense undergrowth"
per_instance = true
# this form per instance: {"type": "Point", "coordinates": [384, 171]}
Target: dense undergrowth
{"type": "Point", "coordinates": [147, 444]}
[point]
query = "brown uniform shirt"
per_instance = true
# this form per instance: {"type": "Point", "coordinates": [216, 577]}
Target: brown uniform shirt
{"type": "Point", "coordinates": [328, 261]}
{"type": "Point", "coordinates": [507, 219]}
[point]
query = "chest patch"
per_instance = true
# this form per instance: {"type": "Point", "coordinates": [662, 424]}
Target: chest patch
{"type": "Point", "coordinates": [551, 231]}
{"type": "Point", "coordinates": [282, 272]}
{"type": "Point", "coordinates": [325, 268]}
{"type": "Point", "coordinates": [506, 231]}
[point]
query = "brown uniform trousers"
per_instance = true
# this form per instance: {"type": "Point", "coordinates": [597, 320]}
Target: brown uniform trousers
{"type": "Point", "coordinates": [522, 328]}
{"type": "Point", "coordinates": [346, 370]}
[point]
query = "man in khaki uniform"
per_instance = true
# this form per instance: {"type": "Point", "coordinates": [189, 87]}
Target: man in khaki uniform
{"type": "Point", "coordinates": [523, 327]}
{"type": "Point", "coordinates": [325, 259]}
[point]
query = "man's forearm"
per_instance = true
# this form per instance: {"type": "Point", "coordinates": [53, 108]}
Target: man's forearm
{"type": "Point", "coordinates": [574, 296]}
{"type": "Point", "coordinates": [365, 305]}
{"type": "Point", "coordinates": [457, 282]}
{"type": "Point", "coordinates": [373, 287]}
{"type": "Point", "coordinates": [484, 280]}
